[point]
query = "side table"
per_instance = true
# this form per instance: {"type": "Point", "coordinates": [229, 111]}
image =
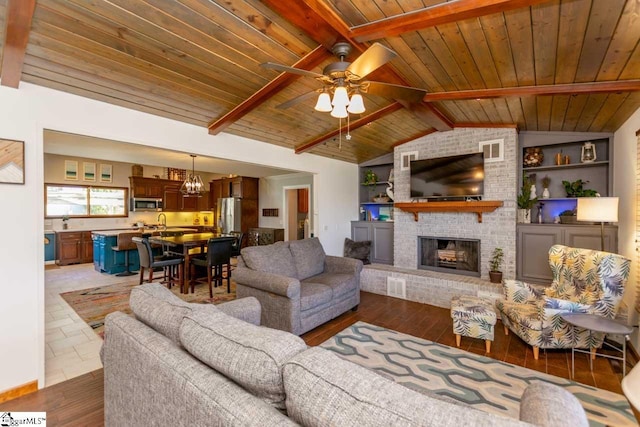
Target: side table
{"type": "Point", "coordinates": [595, 323]}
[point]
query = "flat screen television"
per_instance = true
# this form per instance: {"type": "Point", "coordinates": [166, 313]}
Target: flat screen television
{"type": "Point", "coordinates": [448, 178]}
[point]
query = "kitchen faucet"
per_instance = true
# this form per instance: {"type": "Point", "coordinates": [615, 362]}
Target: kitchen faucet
{"type": "Point", "coordinates": [164, 220]}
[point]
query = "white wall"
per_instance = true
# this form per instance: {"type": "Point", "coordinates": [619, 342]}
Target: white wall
{"type": "Point", "coordinates": [624, 186]}
{"type": "Point", "coordinates": [272, 196]}
{"type": "Point", "coordinates": [26, 112]}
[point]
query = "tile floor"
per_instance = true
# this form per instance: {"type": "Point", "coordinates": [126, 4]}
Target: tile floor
{"type": "Point", "coordinates": [71, 346]}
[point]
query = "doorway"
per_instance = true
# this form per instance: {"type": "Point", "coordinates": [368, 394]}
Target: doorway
{"type": "Point", "coordinates": [296, 212]}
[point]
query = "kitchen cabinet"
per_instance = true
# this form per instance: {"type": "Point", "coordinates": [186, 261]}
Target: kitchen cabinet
{"type": "Point", "coordinates": [303, 200]}
{"type": "Point", "coordinates": [74, 247]}
{"type": "Point", "coordinates": [172, 198]}
{"type": "Point", "coordinates": [106, 260]}
{"type": "Point", "coordinates": [242, 187]}
{"type": "Point", "coordinates": [146, 187]}
{"type": "Point", "coordinates": [380, 233]}
{"type": "Point", "coordinates": [535, 240]}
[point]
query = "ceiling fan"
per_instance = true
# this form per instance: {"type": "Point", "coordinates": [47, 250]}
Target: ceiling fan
{"type": "Point", "coordinates": [345, 81]}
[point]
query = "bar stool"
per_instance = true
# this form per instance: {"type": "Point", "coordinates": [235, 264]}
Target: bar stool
{"type": "Point", "coordinates": [126, 245]}
{"type": "Point", "coordinates": [171, 264]}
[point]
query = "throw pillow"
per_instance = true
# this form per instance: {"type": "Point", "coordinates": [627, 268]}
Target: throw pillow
{"type": "Point", "coordinates": [275, 259]}
{"type": "Point", "coordinates": [157, 307]}
{"type": "Point", "coordinates": [308, 255]}
{"type": "Point", "coordinates": [357, 250]}
{"type": "Point", "coordinates": [252, 356]}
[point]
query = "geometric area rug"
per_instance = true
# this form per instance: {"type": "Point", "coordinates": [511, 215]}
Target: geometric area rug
{"type": "Point", "coordinates": [478, 381]}
{"type": "Point", "coordinates": [93, 305]}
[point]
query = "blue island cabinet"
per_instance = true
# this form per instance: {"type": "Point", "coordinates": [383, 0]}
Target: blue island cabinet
{"type": "Point", "coordinates": [106, 260]}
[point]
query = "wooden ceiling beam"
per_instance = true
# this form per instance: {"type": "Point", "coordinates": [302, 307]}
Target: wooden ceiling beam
{"type": "Point", "coordinates": [436, 15]}
{"type": "Point", "coordinates": [308, 62]}
{"type": "Point", "coordinates": [307, 19]}
{"type": "Point", "coordinates": [391, 108]}
{"type": "Point", "coordinates": [19, 15]}
{"type": "Point", "coordinates": [559, 89]}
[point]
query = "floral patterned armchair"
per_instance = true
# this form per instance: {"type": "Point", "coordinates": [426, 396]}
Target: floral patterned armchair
{"type": "Point", "coordinates": [584, 281]}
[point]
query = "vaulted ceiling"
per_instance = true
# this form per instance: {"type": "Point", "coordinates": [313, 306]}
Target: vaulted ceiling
{"type": "Point", "coordinates": [570, 65]}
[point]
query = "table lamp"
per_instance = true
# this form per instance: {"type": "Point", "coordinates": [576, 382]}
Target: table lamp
{"type": "Point", "coordinates": [598, 209]}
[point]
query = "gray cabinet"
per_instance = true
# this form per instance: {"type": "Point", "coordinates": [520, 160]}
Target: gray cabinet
{"type": "Point", "coordinates": [535, 240]}
{"type": "Point", "coordinates": [381, 235]}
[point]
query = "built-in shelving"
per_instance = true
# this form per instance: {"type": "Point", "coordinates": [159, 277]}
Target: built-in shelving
{"type": "Point", "coordinates": [564, 167]}
{"type": "Point", "coordinates": [477, 207]}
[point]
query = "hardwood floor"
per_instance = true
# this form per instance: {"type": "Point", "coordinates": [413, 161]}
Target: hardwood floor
{"type": "Point", "coordinates": [79, 402]}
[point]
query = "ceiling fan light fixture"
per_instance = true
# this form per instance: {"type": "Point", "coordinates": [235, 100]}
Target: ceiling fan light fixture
{"type": "Point", "coordinates": [324, 103]}
{"type": "Point", "coordinates": [356, 106]}
{"type": "Point", "coordinates": [340, 97]}
{"type": "Point", "coordinates": [339, 112]}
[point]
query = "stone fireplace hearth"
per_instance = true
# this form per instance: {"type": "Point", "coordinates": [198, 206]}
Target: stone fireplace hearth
{"type": "Point", "coordinates": [449, 255]}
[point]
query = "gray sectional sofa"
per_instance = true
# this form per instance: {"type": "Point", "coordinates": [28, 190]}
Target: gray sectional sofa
{"type": "Point", "coordinates": [203, 365]}
{"type": "Point", "coordinates": [299, 287]}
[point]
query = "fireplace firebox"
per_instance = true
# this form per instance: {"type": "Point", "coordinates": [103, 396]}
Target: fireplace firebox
{"type": "Point", "coordinates": [449, 255]}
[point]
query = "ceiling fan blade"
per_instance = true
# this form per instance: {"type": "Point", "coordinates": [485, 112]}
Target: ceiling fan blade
{"type": "Point", "coordinates": [298, 99]}
{"type": "Point", "coordinates": [388, 90]}
{"type": "Point", "coordinates": [284, 68]}
{"type": "Point", "coordinates": [373, 58]}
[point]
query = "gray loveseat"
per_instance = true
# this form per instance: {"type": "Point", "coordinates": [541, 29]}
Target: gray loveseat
{"type": "Point", "coordinates": [203, 365]}
{"type": "Point", "coordinates": [299, 287]}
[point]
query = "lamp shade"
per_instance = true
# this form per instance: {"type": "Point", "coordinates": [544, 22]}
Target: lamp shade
{"type": "Point", "coordinates": [599, 209]}
{"type": "Point", "coordinates": [356, 106]}
{"type": "Point", "coordinates": [324, 103]}
{"type": "Point", "coordinates": [339, 112]}
{"type": "Point", "coordinates": [340, 97]}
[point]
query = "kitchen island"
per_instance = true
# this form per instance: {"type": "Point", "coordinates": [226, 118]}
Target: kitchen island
{"type": "Point", "coordinates": [106, 260]}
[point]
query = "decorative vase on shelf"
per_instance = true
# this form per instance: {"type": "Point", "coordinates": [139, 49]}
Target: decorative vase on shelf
{"type": "Point", "coordinates": [545, 193]}
{"type": "Point", "coordinates": [523, 216]}
{"type": "Point", "coordinates": [533, 192]}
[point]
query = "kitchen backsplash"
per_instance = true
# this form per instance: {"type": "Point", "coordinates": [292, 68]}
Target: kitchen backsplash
{"type": "Point", "coordinates": [173, 219]}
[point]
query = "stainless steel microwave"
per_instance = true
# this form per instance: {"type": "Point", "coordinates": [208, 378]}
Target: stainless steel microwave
{"type": "Point", "coordinates": [139, 204]}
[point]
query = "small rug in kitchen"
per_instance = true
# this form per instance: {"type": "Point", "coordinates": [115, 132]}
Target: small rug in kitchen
{"type": "Point", "coordinates": [93, 305]}
{"type": "Point", "coordinates": [481, 382]}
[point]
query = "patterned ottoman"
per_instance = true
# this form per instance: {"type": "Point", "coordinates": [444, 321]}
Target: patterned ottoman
{"type": "Point", "coordinates": [473, 317]}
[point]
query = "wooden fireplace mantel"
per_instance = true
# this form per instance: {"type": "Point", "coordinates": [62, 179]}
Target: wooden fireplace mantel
{"type": "Point", "coordinates": [477, 207]}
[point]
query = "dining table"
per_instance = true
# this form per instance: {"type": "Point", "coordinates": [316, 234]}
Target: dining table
{"type": "Point", "coordinates": [184, 244]}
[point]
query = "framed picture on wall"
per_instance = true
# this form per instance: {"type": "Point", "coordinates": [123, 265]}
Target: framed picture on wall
{"type": "Point", "coordinates": [71, 170]}
{"type": "Point", "coordinates": [106, 172]}
{"type": "Point", "coordinates": [11, 162]}
{"type": "Point", "coordinates": [89, 171]}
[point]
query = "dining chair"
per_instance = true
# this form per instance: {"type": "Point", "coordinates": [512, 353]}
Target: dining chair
{"type": "Point", "coordinates": [172, 264]}
{"type": "Point", "coordinates": [237, 245]}
{"type": "Point", "coordinates": [217, 256]}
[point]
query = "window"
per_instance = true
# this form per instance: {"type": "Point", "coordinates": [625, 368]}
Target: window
{"type": "Point", "coordinates": [84, 201]}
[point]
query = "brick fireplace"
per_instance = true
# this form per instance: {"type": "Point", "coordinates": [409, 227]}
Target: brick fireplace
{"type": "Point", "coordinates": [456, 256]}
{"type": "Point", "coordinates": [497, 229]}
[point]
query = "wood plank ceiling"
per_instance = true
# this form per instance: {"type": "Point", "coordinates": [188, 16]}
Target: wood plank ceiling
{"type": "Point", "coordinates": [547, 65]}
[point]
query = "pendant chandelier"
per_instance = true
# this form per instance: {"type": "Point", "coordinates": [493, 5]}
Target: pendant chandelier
{"type": "Point", "coordinates": [192, 185]}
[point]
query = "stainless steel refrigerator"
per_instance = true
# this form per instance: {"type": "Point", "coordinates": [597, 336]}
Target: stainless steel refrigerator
{"type": "Point", "coordinates": [229, 214]}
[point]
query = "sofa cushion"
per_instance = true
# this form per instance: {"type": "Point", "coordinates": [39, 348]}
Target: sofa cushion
{"type": "Point", "coordinates": [252, 356]}
{"type": "Point", "coordinates": [358, 250]}
{"type": "Point", "coordinates": [157, 307]}
{"type": "Point", "coordinates": [308, 256]}
{"type": "Point", "coordinates": [313, 295]}
{"type": "Point", "coordinates": [340, 284]}
{"type": "Point", "coordinates": [545, 404]}
{"type": "Point", "coordinates": [274, 258]}
{"type": "Point", "coordinates": [324, 390]}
